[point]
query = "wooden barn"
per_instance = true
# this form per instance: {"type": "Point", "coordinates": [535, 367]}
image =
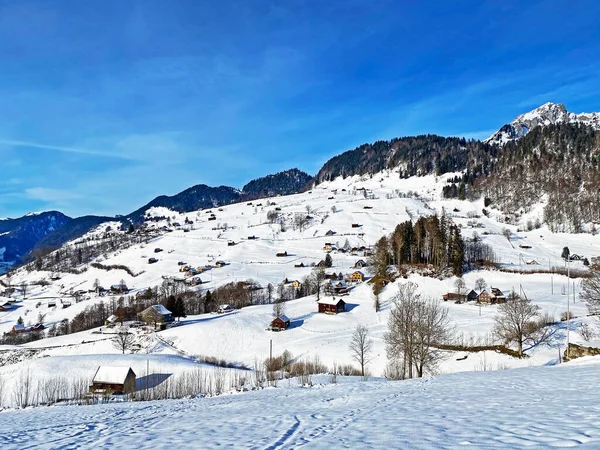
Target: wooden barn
{"type": "Point", "coordinates": [454, 296]}
{"type": "Point", "coordinates": [280, 323]}
{"type": "Point", "coordinates": [332, 306]}
{"type": "Point", "coordinates": [113, 380]}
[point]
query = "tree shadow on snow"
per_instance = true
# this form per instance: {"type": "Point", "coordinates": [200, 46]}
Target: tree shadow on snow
{"type": "Point", "coordinates": [150, 381]}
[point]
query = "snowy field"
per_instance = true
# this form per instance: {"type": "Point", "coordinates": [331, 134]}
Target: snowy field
{"type": "Point", "coordinates": [524, 408]}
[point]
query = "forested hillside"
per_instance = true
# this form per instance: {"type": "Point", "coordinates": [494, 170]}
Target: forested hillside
{"type": "Point", "coordinates": [556, 165]}
{"type": "Point", "coordinates": [411, 156]}
{"type": "Point", "coordinates": [283, 183]}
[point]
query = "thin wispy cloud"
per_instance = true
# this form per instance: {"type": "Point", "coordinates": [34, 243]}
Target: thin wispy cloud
{"type": "Point", "coordinates": [57, 148]}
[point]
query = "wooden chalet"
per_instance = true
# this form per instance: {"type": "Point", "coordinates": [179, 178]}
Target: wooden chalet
{"type": "Point", "coordinates": [484, 297]}
{"type": "Point", "coordinates": [493, 297]}
{"type": "Point", "coordinates": [328, 247]}
{"type": "Point", "coordinates": [471, 296]}
{"type": "Point", "coordinates": [113, 380]}
{"type": "Point", "coordinates": [332, 306]}
{"type": "Point", "coordinates": [281, 254]}
{"type": "Point", "coordinates": [330, 233]}
{"type": "Point", "coordinates": [357, 276]}
{"type": "Point", "coordinates": [5, 305]}
{"type": "Point", "coordinates": [296, 284]}
{"type": "Point", "coordinates": [497, 295]}
{"type": "Point", "coordinates": [156, 315]}
{"type": "Point", "coordinates": [297, 266]}
{"type": "Point", "coordinates": [355, 225]}
{"type": "Point", "coordinates": [280, 323]}
{"type": "Point", "coordinates": [360, 264]}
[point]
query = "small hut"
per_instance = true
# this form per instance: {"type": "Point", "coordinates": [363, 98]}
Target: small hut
{"type": "Point", "coordinates": [279, 323]}
{"type": "Point", "coordinates": [113, 380]}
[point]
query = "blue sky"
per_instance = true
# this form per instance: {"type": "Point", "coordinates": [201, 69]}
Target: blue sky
{"type": "Point", "coordinates": [105, 104]}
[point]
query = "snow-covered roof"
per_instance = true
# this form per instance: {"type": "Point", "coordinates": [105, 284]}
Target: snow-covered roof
{"type": "Point", "coordinates": [112, 318]}
{"type": "Point", "coordinates": [225, 306]}
{"type": "Point", "coordinates": [161, 309]}
{"type": "Point", "coordinates": [283, 317]}
{"type": "Point", "coordinates": [111, 374]}
{"type": "Point", "coordinates": [19, 327]}
{"type": "Point", "coordinates": [330, 301]}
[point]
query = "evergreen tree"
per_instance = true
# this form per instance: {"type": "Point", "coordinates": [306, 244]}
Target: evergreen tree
{"type": "Point", "coordinates": [328, 261]}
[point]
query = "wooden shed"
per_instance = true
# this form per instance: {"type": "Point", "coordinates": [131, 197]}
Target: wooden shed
{"type": "Point", "coordinates": [113, 380]}
{"type": "Point", "coordinates": [280, 323]}
{"type": "Point", "coordinates": [332, 306]}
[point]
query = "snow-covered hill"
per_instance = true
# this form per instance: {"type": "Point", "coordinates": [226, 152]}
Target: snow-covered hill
{"type": "Point", "coordinates": [242, 337]}
{"type": "Point", "coordinates": [546, 407]}
{"type": "Point", "coordinates": [547, 114]}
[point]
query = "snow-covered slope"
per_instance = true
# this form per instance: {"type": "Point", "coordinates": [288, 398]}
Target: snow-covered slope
{"type": "Point", "coordinates": [242, 337]}
{"type": "Point", "coordinates": [527, 408]}
{"type": "Point", "coordinates": [547, 114]}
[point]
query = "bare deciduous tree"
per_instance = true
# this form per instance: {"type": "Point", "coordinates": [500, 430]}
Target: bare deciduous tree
{"type": "Point", "coordinates": [300, 221]}
{"type": "Point", "coordinates": [278, 307]}
{"type": "Point", "coordinates": [416, 329]}
{"type": "Point", "coordinates": [591, 288]}
{"type": "Point", "coordinates": [361, 347]}
{"type": "Point", "coordinates": [518, 321]}
{"type": "Point", "coordinates": [123, 341]}
{"type": "Point", "coordinates": [318, 277]}
{"type": "Point", "coordinates": [480, 285]}
{"type": "Point", "coordinates": [460, 285]}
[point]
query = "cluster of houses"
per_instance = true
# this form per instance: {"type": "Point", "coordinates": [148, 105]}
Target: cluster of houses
{"type": "Point", "coordinates": [492, 297]}
{"type": "Point", "coordinates": [362, 250]}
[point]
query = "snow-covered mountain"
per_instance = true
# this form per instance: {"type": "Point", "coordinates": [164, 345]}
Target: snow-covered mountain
{"type": "Point", "coordinates": [547, 114]}
{"type": "Point", "coordinates": [19, 236]}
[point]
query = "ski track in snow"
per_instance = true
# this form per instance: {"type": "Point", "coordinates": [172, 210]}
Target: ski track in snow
{"type": "Point", "coordinates": [523, 408]}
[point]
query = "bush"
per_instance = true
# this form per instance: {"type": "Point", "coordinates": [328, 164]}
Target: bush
{"type": "Point", "coordinates": [566, 316]}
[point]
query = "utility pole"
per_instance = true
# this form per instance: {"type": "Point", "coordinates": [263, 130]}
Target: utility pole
{"type": "Point", "coordinates": [568, 309]}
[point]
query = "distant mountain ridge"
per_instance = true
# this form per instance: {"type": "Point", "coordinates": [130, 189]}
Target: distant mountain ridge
{"type": "Point", "coordinates": [408, 156]}
{"type": "Point", "coordinates": [19, 236]}
{"type": "Point", "coordinates": [547, 114]}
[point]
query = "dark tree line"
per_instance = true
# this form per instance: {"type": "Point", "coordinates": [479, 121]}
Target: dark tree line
{"type": "Point", "coordinates": [430, 240]}
{"type": "Point", "coordinates": [417, 155]}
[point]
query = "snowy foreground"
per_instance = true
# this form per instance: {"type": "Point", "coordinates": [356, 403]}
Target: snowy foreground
{"type": "Point", "coordinates": [532, 407]}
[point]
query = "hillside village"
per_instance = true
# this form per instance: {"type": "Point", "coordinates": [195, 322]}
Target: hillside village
{"type": "Point", "coordinates": [237, 285]}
